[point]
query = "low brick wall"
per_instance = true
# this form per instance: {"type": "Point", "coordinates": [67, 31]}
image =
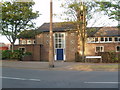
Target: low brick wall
{"type": "Point", "coordinates": [34, 49]}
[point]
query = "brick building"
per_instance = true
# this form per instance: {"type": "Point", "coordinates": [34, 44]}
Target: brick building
{"type": "Point", "coordinates": [99, 39]}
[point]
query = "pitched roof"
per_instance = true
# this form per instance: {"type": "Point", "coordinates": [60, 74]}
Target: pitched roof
{"type": "Point", "coordinates": [91, 31]}
{"type": "Point", "coordinates": [108, 31]}
{"type": "Point", "coordinates": [63, 26]}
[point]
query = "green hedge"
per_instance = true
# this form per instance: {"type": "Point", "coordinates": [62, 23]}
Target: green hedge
{"type": "Point", "coordinates": [109, 57]}
{"type": "Point", "coordinates": [16, 54]}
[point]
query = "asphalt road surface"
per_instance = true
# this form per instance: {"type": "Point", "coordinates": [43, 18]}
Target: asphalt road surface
{"type": "Point", "coordinates": [29, 78]}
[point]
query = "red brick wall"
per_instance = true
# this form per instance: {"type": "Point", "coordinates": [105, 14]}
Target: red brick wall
{"type": "Point", "coordinates": [71, 46]}
{"type": "Point", "coordinates": [34, 49]}
{"type": "Point", "coordinates": [90, 47]}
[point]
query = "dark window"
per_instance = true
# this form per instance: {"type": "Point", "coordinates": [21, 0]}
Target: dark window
{"type": "Point", "coordinates": [119, 39]}
{"type": "Point", "coordinates": [110, 39]}
{"type": "Point", "coordinates": [116, 39]}
{"type": "Point", "coordinates": [96, 39]}
{"type": "Point", "coordinates": [34, 42]}
{"type": "Point", "coordinates": [102, 39]}
{"type": "Point", "coordinates": [99, 49]}
{"type": "Point", "coordinates": [106, 39]}
{"type": "Point", "coordinates": [22, 49]}
{"type": "Point", "coordinates": [118, 48]}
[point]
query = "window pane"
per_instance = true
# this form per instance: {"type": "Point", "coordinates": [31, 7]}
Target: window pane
{"type": "Point", "coordinates": [118, 48]}
{"type": "Point", "coordinates": [56, 45]}
{"type": "Point", "coordinates": [106, 39]}
{"type": "Point", "coordinates": [92, 39]}
{"type": "Point", "coordinates": [60, 46]}
{"type": "Point", "coordinates": [56, 35]}
{"type": "Point", "coordinates": [102, 39]}
{"type": "Point", "coordinates": [97, 49]}
{"type": "Point", "coordinates": [116, 39]}
{"type": "Point", "coordinates": [59, 40]}
{"type": "Point", "coordinates": [101, 50]}
{"type": "Point", "coordinates": [96, 39]}
{"type": "Point", "coordinates": [119, 39]}
{"type": "Point", "coordinates": [23, 41]}
{"type": "Point", "coordinates": [110, 39]}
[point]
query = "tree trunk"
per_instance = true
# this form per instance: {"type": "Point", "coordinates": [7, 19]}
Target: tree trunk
{"type": "Point", "coordinates": [12, 46]}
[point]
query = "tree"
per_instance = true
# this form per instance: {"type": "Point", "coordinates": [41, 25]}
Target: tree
{"type": "Point", "coordinates": [17, 16]}
{"type": "Point", "coordinates": [112, 9]}
{"type": "Point", "coordinates": [28, 34]}
{"type": "Point", "coordinates": [79, 13]}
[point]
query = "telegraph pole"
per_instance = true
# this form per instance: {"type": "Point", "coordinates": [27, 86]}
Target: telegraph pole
{"type": "Point", "coordinates": [51, 48]}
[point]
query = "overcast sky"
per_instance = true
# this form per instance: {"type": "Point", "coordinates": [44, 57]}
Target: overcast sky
{"type": "Point", "coordinates": [43, 6]}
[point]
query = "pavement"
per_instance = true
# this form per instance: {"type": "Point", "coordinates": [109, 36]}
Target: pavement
{"type": "Point", "coordinates": [59, 65]}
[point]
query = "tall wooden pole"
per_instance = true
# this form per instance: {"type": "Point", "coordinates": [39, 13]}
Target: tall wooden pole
{"type": "Point", "coordinates": [51, 48]}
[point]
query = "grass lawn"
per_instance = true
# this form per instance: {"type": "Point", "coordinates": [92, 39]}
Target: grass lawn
{"type": "Point", "coordinates": [101, 67]}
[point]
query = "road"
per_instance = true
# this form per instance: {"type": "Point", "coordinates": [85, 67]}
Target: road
{"type": "Point", "coordinates": [32, 78]}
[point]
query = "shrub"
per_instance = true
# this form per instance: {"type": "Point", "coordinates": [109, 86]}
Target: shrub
{"type": "Point", "coordinates": [109, 57]}
{"type": "Point", "coordinates": [6, 54]}
{"type": "Point", "coordinates": [16, 54]}
{"type": "Point", "coordinates": [27, 53]}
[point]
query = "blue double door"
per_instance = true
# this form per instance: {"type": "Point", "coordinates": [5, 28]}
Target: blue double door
{"type": "Point", "coordinates": [59, 54]}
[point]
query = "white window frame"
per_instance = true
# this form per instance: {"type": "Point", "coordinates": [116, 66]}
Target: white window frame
{"type": "Point", "coordinates": [116, 48]}
{"type": "Point", "coordinates": [29, 42]}
{"type": "Point", "coordinates": [117, 38]}
{"type": "Point", "coordinates": [100, 47]}
{"type": "Point", "coordinates": [23, 41]}
{"type": "Point", "coordinates": [103, 39]}
{"type": "Point", "coordinates": [64, 46]}
{"type": "Point", "coordinates": [22, 47]}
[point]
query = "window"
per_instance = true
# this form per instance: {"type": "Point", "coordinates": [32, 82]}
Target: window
{"type": "Point", "coordinates": [29, 42]}
{"type": "Point", "coordinates": [117, 39]}
{"type": "Point", "coordinates": [22, 49]}
{"type": "Point", "coordinates": [23, 41]}
{"type": "Point", "coordinates": [96, 39]}
{"type": "Point", "coordinates": [33, 41]}
{"type": "Point", "coordinates": [118, 48]}
{"type": "Point", "coordinates": [106, 39]}
{"type": "Point", "coordinates": [91, 39]}
{"type": "Point", "coordinates": [99, 49]}
{"type": "Point", "coordinates": [102, 39]}
{"type": "Point", "coordinates": [59, 40]}
{"type": "Point", "coordinates": [110, 39]}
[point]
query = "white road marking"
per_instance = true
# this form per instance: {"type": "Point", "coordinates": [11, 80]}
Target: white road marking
{"type": "Point", "coordinates": [20, 78]}
{"type": "Point", "coordinates": [102, 82]}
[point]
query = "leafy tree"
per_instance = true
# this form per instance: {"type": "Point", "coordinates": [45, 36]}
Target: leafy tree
{"type": "Point", "coordinates": [17, 16]}
{"type": "Point", "coordinates": [28, 34]}
{"type": "Point", "coordinates": [80, 17]}
{"type": "Point", "coordinates": [80, 13]}
{"type": "Point", "coordinates": [110, 8]}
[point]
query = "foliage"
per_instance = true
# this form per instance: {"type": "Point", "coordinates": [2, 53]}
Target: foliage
{"type": "Point", "coordinates": [77, 12]}
{"type": "Point", "coordinates": [16, 54]}
{"type": "Point", "coordinates": [27, 53]}
{"type": "Point", "coordinates": [6, 54]}
{"type": "Point", "coordinates": [73, 9]}
{"type": "Point", "coordinates": [109, 57]}
{"type": "Point", "coordinates": [17, 16]}
{"type": "Point", "coordinates": [110, 8]}
{"type": "Point", "coordinates": [28, 34]}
